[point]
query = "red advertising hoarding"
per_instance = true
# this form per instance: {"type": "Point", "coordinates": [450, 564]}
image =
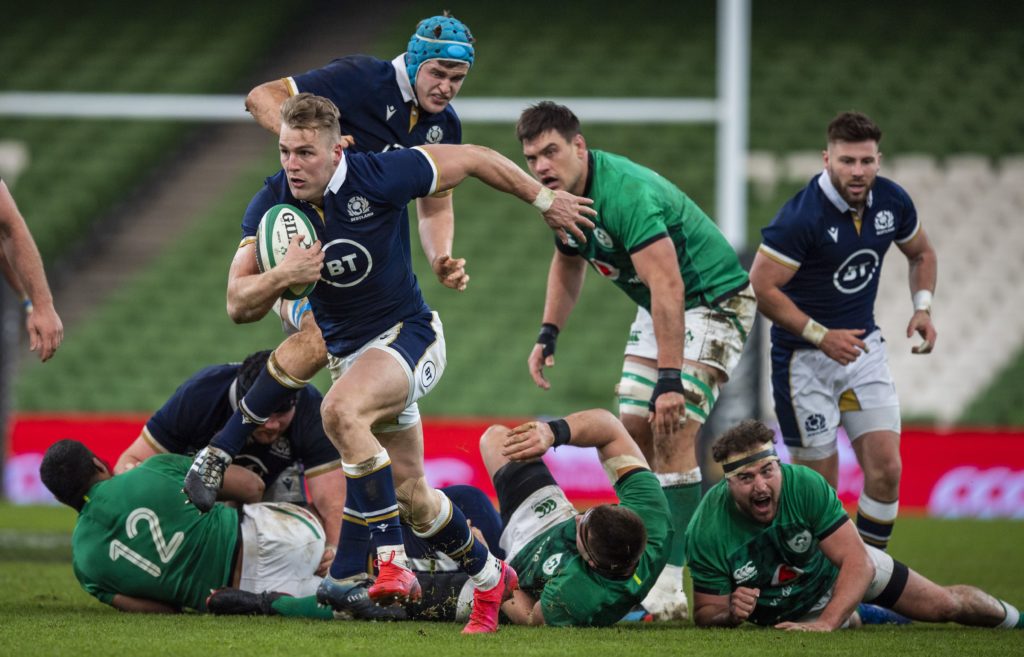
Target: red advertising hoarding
{"type": "Point", "coordinates": [961, 473]}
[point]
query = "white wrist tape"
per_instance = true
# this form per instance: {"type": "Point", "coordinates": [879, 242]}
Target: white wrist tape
{"type": "Point", "coordinates": [923, 301]}
{"type": "Point", "coordinates": [545, 198]}
{"type": "Point", "coordinates": [814, 332]}
{"type": "Point", "coordinates": [625, 462]}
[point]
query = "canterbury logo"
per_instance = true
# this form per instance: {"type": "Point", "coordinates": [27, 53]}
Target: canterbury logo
{"type": "Point", "coordinates": [544, 508]}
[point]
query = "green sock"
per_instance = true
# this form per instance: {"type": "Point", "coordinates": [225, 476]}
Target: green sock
{"type": "Point", "coordinates": [301, 608]}
{"type": "Point", "coordinates": [682, 503]}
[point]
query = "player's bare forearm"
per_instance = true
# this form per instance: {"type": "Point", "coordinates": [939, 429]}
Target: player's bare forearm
{"type": "Point", "coordinates": [523, 609]}
{"type": "Point", "coordinates": [713, 611]}
{"type": "Point", "coordinates": [264, 103]}
{"type": "Point", "coordinates": [845, 549]}
{"type": "Point", "coordinates": [565, 282]}
{"type": "Point", "coordinates": [436, 223]}
{"type": "Point", "coordinates": [327, 494]}
{"type": "Point", "coordinates": [657, 265]}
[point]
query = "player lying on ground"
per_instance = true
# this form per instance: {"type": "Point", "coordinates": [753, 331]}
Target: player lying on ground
{"type": "Point", "coordinates": [139, 547]}
{"type": "Point", "coordinates": [575, 569]}
{"type": "Point", "coordinates": [771, 544]}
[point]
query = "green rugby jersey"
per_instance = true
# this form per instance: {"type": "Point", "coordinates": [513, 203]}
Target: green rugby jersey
{"type": "Point", "coordinates": [136, 536]}
{"type": "Point", "coordinates": [727, 549]}
{"type": "Point", "coordinates": [570, 593]}
{"type": "Point", "coordinates": [636, 206]}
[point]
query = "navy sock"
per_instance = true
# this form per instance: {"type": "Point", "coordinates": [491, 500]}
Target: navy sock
{"type": "Point", "coordinates": [353, 544]}
{"type": "Point", "coordinates": [269, 392]}
{"type": "Point", "coordinates": [456, 540]}
{"type": "Point", "coordinates": [374, 495]}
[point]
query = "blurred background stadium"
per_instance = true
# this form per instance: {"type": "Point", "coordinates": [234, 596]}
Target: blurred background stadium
{"type": "Point", "coordinates": [137, 220]}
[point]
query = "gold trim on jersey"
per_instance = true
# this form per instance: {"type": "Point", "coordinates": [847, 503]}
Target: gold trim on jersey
{"type": "Point", "coordinates": [414, 117]}
{"type": "Point", "coordinates": [151, 441]}
{"type": "Point", "coordinates": [857, 221]}
{"type": "Point", "coordinates": [783, 260]}
{"type": "Point", "coordinates": [246, 241]}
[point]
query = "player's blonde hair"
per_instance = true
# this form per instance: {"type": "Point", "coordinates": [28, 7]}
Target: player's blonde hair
{"type": "Point", "coordinates": [309, 112]}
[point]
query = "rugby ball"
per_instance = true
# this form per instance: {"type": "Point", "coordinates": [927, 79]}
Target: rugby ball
{"type": "Point", "coordinates": [277, 227]}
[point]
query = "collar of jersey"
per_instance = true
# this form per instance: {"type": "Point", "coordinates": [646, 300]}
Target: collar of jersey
{"type": "Point", "coordinates": [338, 179]}
{"type": "Point", "coordinates": [833, 195]}
{"type": "Point", "coordinates": [402, 78]}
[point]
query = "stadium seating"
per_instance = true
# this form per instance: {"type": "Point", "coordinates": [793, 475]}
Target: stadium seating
{"type": "Point", "coordinates": [949, 108]}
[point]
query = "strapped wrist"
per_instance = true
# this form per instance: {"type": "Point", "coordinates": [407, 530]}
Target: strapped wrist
{"type": "Point", "coordinates": [544, 199]}
{"type": "Point", "coordinates": [923, 301]}
{"type": "Point", "coordinates": [813, 332]}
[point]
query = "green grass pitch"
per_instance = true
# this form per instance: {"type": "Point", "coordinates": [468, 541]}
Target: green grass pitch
{"type": "Point", "coordinates": [43, 611]}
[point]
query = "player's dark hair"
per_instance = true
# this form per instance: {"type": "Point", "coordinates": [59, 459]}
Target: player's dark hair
{"type": "Point", "coordinates": [743, 437]}
{"type": "Point", "coordinates": [249, 370]}
{"type": "Point", "coordinates": [68, 471]}
{"type": "Point", "coordinates": [546, 115]}
{"type": "Point", "coordinates": [853, 127]}
{"type": "Point", "coordinates": [616, 538]}
{"type": "Point", "coordinates": [308, 112]}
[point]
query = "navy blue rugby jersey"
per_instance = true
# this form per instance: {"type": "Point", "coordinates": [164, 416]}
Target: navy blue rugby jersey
{"type": "Point", "coordinates": [201, 406]}
{"type": "Point", "coordinates": [837, 266]}
{"type": "Point", "coordinates": [367, 284]}
{"type": "Point", "coordinates": [377, 103]}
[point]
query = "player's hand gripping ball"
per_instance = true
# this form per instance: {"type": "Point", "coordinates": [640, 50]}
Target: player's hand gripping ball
{"type": "Point", "coordinates": [277, 228]}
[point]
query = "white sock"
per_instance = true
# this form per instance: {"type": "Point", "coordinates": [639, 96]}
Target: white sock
{"type": "Point", "coordinates": [489, 575]}
{"type": "Point", "coordinates": [671, 575]}
{"type": "Point", "coordinates": [1012, 616]}
{"type": "Point", "coordinates": [384, 553]}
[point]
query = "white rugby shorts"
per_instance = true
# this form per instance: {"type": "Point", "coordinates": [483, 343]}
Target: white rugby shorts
{"type": "Point", "coordinates": [813, 395]}
{"type": "Point", "coordinates": [545, 508]}
{"type": "Point", "coordinates": [428, 364]}
{"type": "Point", "coordinates": [282, 545]}
{"type": "Point", "coordinates": [714, 336]}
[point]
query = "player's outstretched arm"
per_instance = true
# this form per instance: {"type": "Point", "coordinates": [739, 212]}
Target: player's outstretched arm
{"type": "Point", "coordinates": [264, 103]}
{"type": "Point", "coordinates": [563, 212]}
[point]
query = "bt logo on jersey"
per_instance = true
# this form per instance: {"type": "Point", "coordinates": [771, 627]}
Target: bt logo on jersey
{"type": "Point", "coordinates": [347, 263]}
{"type": "Point", "coordinates": [856, 271]}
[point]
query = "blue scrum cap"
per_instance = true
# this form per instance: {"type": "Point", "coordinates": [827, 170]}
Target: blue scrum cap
{"type": "Point", "coordinates": [438, 37]}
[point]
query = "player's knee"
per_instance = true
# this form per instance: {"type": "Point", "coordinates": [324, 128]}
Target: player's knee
{"type": "Point", "coordinates": [493, 438]}
{"type": "Point", "coordinates": [340, 419]}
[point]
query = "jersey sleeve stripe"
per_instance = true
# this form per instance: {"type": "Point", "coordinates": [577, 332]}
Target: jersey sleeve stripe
{"type": "Point", "coordinates": [433, 167]}
{"type": "Point", "coordinates": [322, 469]}
{"type": "Point", "coordinates": [917, 229]}
{"type": "Point", "coordinates": [152, 442]}
{"type": "Point", "coordinates": [784, 260]}
{"type": "Point", "coordinates": [246, 241]}
{"type": "Point", "coordinates": [833, 527]}
{"type": "Point", "coordinates": [647, 242]}
{"type": "Point", "coordinates": [293, 89]}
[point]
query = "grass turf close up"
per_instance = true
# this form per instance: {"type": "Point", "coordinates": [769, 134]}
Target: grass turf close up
{"type": "Point", "coordinates": [44, 612]}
